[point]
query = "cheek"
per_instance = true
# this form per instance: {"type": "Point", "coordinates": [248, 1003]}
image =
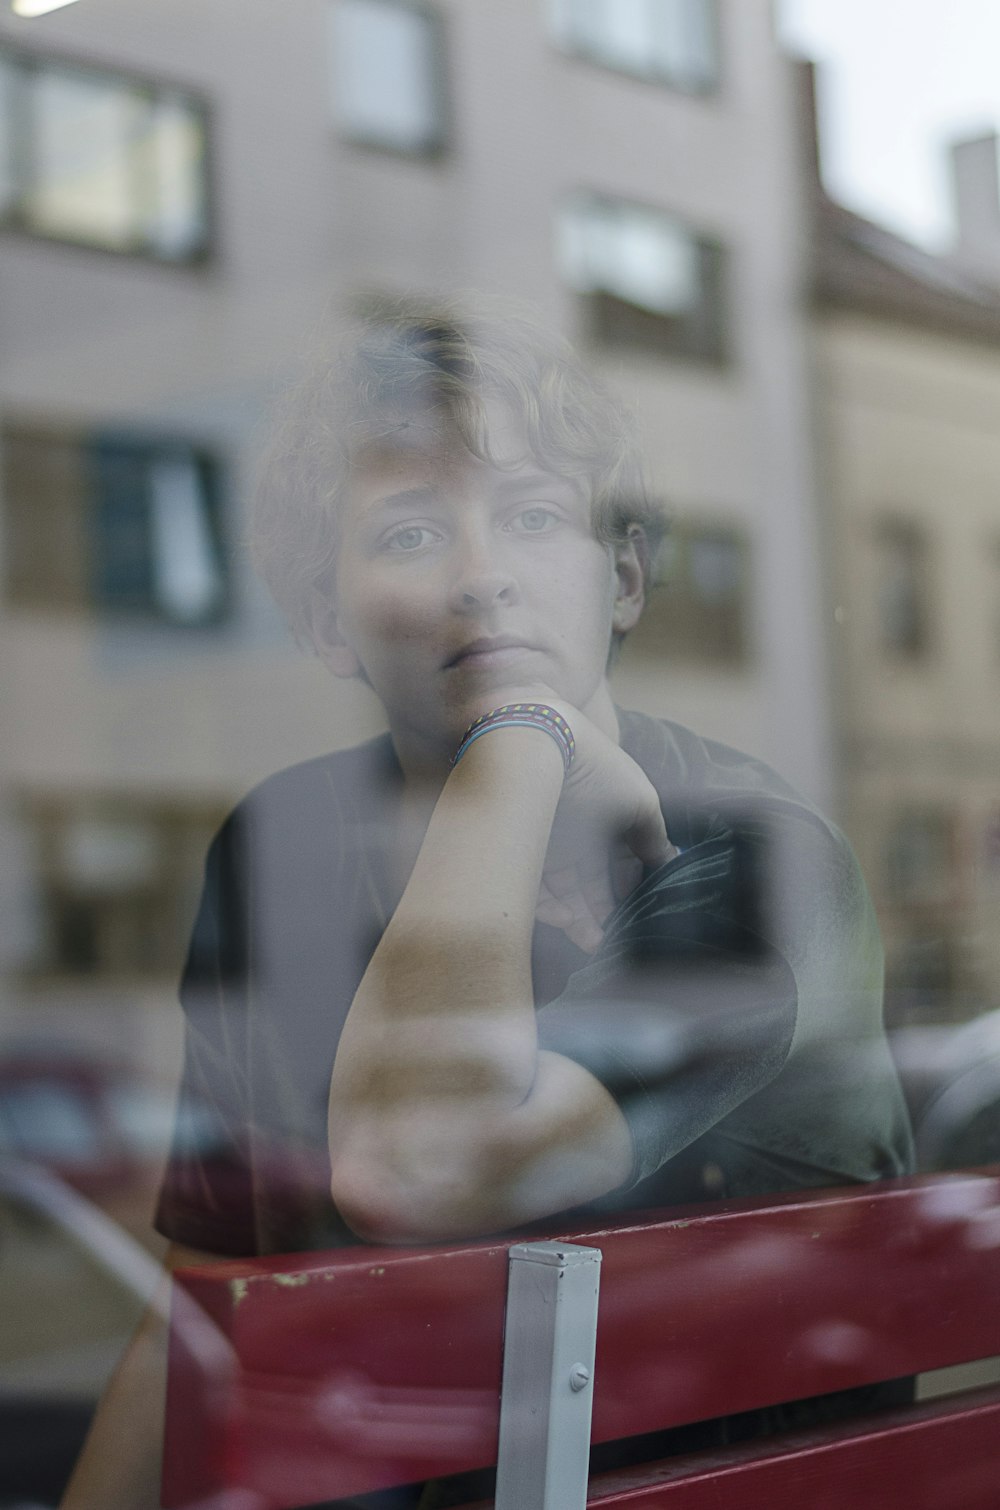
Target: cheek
{"type": "Point", "coordinates": [391, 613]}
{"type": "Point", "coordinates": [582, 598]}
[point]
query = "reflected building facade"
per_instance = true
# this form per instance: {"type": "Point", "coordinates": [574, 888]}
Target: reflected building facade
{"type": "Point", "coordinates": [183, 191]}
{"type": "Point", "coordinates": [907, 387]}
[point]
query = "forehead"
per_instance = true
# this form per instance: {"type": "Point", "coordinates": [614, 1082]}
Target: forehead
{"type": "Point", "coordinates": [430, 449]}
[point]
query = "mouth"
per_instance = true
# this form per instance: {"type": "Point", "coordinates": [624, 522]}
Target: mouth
{"type": "Point", "coordinates": [497, 650]}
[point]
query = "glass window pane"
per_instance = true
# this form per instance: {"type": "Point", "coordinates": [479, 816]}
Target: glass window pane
{"type": "Point", "coordinates": [187, 583]}
{"type": "Point", "coordinates": [903, 598]}
{"type": "Point", "coordinates": [385, 74]}
{"type": "Point", "coordinates": [624, 38]}
{"type": "Point", "coordinates": [683, 41]}
{"type": "Point", "coordinates": [699, 611]}
{"type": "Point", "coordinates": [177, 227]}
{"type": "Point", "coordinates": [90, 149]}
{"type": "Point", "coordinates": [670, 39]}
{"type": "Point", "coordinates": [121, 549]}
{"type": "Point", "coordinates": [640, 256]}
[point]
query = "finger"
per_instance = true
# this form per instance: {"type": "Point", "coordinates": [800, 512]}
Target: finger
{"type": "Point", "coordinates": [599, 896]}
{"type": "Point", "coordinates": [585, 933]}
{"type": "Point", "coordinates": [578, 924]}
{"type": "Point", "coordinates": [648, 839]}
{"type": "Point", "coordinates": [556, 914]}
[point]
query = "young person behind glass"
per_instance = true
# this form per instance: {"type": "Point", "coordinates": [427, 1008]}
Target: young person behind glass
{"type": "Point", "coordinates": [595, 963]}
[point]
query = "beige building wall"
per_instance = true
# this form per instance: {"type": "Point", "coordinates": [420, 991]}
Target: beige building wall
{"type": "Point", "coordinates": [909, 419]}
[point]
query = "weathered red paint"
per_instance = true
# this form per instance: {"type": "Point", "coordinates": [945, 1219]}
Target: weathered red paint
{"type": "Point", "coordinates": [939, 1457]}
{"type": "Point", "coordinates": [367, 1367]}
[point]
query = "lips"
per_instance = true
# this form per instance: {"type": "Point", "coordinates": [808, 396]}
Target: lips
{"type": "Point", "coordinates": [489, 650]}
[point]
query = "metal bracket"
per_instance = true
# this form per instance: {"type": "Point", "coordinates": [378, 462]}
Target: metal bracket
{"type": "Point", "coordinates": [548, 1377]}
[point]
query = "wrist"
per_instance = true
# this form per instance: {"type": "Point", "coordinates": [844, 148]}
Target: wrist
{"type": "Point", "coordinates": [532, 714]}
{"type": "Point", "coordinates": [511, 760]}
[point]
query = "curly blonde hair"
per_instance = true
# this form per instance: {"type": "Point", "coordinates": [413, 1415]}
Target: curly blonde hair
{"type": "Point", "coordinates": [409, 363]}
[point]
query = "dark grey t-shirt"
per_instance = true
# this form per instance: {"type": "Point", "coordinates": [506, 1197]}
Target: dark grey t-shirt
{"type": "Point", "coordinates": [734, 1009]}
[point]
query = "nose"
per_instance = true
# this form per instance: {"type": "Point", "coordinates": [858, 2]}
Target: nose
{"type": "Point", "coordinates": [482, 581]}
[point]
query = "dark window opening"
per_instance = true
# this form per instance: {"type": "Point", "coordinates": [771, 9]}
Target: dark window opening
{"type": "Point", "coordinates": [699, 610]}
{"type": "Point", "coordinates": [123, 525]}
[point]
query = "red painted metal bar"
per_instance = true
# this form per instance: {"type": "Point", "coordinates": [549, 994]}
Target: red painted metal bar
{"type": "Point", "coordinates": [363, 1368]}
{"type": "Point", "coordinates": [934, 1457]}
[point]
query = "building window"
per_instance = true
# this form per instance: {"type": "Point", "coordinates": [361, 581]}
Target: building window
{"type": "Point", "coordinates": [672, 41]}
{"type": "Point", "coordinates": [117, 882]}
{"type": "Point", "coordinates": [646, 279]}
{"type": "Point", "coordinates": [903, 595]}
{"type": "Point", "coordinates": [698, 612]}
{"type": "Point", "coordinates": [101, 160]}
{"type": "Point", "coordinates": [387, 73]}
{"type": "Point", "coordinates": [122, 525]}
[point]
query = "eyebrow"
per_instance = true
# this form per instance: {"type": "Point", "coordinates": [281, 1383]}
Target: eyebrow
{"type": "Point", "coordinates": [527, 481]}
{"type": "Point", "coordinates": [507, 487]}
{"type": "Point", "coordinates": [405, 498]}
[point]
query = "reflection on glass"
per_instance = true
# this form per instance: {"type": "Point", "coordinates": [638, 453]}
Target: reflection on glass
{"type": "Point", "coordinates": [89, 157]}
{"type": "Point", "coordinates": [177, 221]}
{"type": "Point", "coordinates": [903, 597]}
{"type": "Point", "coordinates": [89, 140]}
{"type": "Point", "coordinates": [186, 580]}
{"type": "Point", "coordinates": [642, 256]}
{"type": "Point", "coordinates": [385, 76]}
{"type": "Point", "coordinates": [669, 39]}
{"type": "Point", "coordinates": [100, 854]}
{"type": "Point", "coordinates": [50, 1122]}
{"type": "Point", "coordinates": [699, 613]}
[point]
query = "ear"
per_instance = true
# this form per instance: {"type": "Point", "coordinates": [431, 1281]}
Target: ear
{"type": "Point", "coordinates": [630, 586]}
{"type": "Point", "coordinates": [331, 646]}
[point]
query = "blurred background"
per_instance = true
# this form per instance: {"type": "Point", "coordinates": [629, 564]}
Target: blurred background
{"type": "Point", "coordinates": [791, 273]}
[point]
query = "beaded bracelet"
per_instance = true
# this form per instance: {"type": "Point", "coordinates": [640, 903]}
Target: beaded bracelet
{"type": "Point", "coordinates": [524, 716]}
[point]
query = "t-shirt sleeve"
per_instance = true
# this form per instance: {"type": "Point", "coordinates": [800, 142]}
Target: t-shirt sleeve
{"type": "Point", "coordinates": [206, 1199]}
{"type": "Point", "coordinates": [690, 1006]}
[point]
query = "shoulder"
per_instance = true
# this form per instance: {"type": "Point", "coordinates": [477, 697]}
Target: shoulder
{"type": "Point", "coordinates": [671, 754]}
{"type": "Point", "coordinates": [707, 788]}
{"type": "Point", "coordinates": [733, 816]}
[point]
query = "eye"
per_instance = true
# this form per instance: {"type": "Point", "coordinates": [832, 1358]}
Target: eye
{"type": "Point", "coordinates": [536, 520]}
{"type": "Point", "coordinates": [409, 537]}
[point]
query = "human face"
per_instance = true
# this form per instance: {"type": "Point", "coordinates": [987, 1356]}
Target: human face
{"type": "Point", "coordinates": [459, 582]}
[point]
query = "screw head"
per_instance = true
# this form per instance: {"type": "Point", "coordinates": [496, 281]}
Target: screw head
{"type": "Point", "coordinates": [579, 1376]}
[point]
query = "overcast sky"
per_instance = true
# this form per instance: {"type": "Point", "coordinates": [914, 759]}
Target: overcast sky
{"type": "Point", "coordinates": [900, 78]}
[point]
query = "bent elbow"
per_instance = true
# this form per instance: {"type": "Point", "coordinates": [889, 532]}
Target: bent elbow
{"type": "Point", "coordinates": [382, 1210]}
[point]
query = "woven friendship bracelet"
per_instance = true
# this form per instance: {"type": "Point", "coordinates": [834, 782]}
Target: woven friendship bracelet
{"type": "Point", "coordinates": [524, 716]}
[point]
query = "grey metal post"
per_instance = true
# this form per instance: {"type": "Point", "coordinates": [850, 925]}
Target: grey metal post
{"type": "Point", "coordinates": [548, 1377]}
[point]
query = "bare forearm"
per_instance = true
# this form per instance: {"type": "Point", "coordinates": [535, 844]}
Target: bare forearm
{"type": "Point", "coordinates": [120, 1465]}
{"type": "Point", "coordinates": [119, 1468]}
{"type": "Point", "coordinates": [444, 1118]}
{"type": "Point", "coordinates": [454, 963]}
